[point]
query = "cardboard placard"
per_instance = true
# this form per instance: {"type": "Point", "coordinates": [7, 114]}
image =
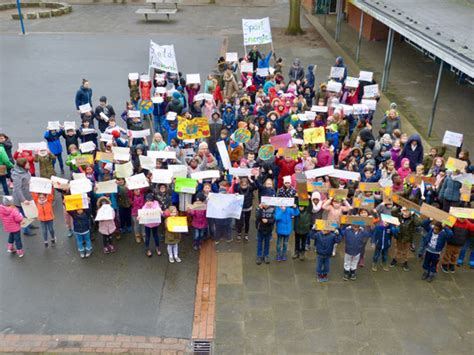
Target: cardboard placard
{"type": "Point", "coordinates": [121, 153]}
{"type": "Point", "coordinates": [357, 220]}
{"type": "Point", "coordinates": [81, 186]}
{"type": "Point", "coordinates": [224, 154]}
{"type": "Point", "coordinates": [76, 202]}
{"type": "Point", "coordinates": [149, 215]}
{"type": "Point", "coordinates": [366, 76]}
{"type": "Point", "coordinates": [334, 86]}
{"type": "Point", "coordinates": [466, 189]}
{"type": "Point", "coordinates": [318, 186]}
{"type": "Point", "coordinates": [240, 172]}
{"type": "Point", "coordinates": [105, 213]}
{"type": "Point", "coordinates": [454, 164]}
{"type": "Point", "coordinates": [453, 138]}
{"type": "Point", "coordinates": [338, 194]}
{"type": "Point", "coordinates": [246, 67]}
{"type": "Point", "coordinates": [241, 135]}
{"type": "Point", "coordinates": [266, 151]}
{"type": "Point", "coordinates": [323, 224]}
{"type": "Point", "coordinates": [371, 90]}
{"type": "Point", "coordinates": [147, 162]}
{"type": "Point", "coordinates": [162, 154]}
{"type": "Point", "coordinates": [351, 82]}
{"type": "Point", "coordinates": [124, 170]}
{"type": "Point", "coordinates": [222, 206]}
{"type": "Point", "coordinates": [460, 212]}
{"type": "Point", "coordinates": [207, 174]}
{"type": "Point", "coordinates": [344, 174]}
{"type": "Point", "coordinates": [314, 173]}
{"type": "Point", "coordinates": [177, 224]}
{"type": "Point", "coordinates": [87, 147]}
{"type": "Point", "coordinates": [84, 159]}
{"type": "Point", "coordinates": [337, 72]}
{"type": "Point", "coordinates": [390, 219]}
{"type": "Point", "coordinates": [369, 186]}
{"type": "Point", "coordinates": [59, 183]}
{"type": "Point", "coordinates": [321, 109]}
{"type": "Point", "coordinates": [437, 214]}
{"type": "Point", "coordinates": [281, 141]}
{"type": "Point", "coordinates": [138, 181]}
{"type": "Point", "coordinates": [85, 108]}
{"type": "Point", "coordinates": [403, 202]}
{"type": "Point", "coordinates": [314, 135]}
{"type": "Point", "coordinates": [231, 57]}
{"type": "Point", "coordinates": [30, 210]}
{"type": "Point", "coordinates": [289, 152]}
{"type": "Point", "coordinates": [178, 170]}
{"type": "Point", "coordinates": [193, 79]}
{"type": "Point", "coordinates": [278, 201]}
{"type": "Point", "coordinates": [364, 202]}
{"type": "Point", "coordinates": [40, 185]}
{"type": "Point", "coordinates": [106, 187]}
{"type": "Point", "coordinates": [139, 134]}
{"type": "Point", "coordinates": [79, 176]}
{"type": "Point", "coordinates": [185, 185]}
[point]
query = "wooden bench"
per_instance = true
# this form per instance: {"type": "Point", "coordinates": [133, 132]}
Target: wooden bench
{"type": "Point", "coordinates": [163, 2]}
{"type": "Point", "coordinates": [148, 12]}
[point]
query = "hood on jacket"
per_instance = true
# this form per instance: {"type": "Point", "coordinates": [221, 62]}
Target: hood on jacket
{"type": "Point", "coordinates": [403, 162]}
{"type": "Point", "coordinates": [339, 62]}
{"type": "Point", "coordinates": [414, 137]}
{"type": "Point", "coordinates": [316, 207]}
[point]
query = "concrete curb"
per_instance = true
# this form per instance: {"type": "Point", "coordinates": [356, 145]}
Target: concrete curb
{"type": "Point", "coordinates": [384, 102]}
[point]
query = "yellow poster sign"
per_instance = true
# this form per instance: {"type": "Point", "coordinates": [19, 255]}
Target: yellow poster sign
{"type": "Point", "coordinates": [314, 135]}
{"type": "Point", "coordinates": [195, 128]}
{"type": "Point", "coordinates": [76, 202]}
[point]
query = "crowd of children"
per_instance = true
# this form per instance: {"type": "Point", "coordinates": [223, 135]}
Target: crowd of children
{"type": "Point", "coordinates": [249, 114]}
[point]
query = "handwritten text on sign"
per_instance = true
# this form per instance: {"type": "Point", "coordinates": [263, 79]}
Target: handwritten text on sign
{"type": "Point", "coordinates": [256, 31]}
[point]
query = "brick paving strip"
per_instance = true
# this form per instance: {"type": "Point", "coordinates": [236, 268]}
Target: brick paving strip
{"type": "Point", "coordinates": [205, 304]}
{"type": "Point", "coordinates": [93, 344]}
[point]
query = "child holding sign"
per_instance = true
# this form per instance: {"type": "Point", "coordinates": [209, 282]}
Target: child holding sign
{"type": "Point", "coordinates": [44, 204]}
{"type": "Point", "coordinates": [172, 239]}
{"type": "Point", "coordinates": [325, 241]}
{"type": "Point", "coordinates": [151, 228]}
{"type": "Point", "coordinates": [11, 220]}
{"type": "Point", "coordinates": [82, 231]}
{"type": "Point", "coordinates": [106, 225]}
{"type": "Point", "coordinates": [284, 224]}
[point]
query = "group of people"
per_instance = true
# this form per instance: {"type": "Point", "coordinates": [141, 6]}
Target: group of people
{"type": "Point", "coordinates": [247, 113]}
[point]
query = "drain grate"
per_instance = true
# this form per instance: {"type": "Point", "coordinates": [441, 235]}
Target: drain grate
{"type": "Point", "coordinates": [202, 347]}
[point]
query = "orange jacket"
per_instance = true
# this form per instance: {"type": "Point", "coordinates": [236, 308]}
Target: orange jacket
{"type": "Point", "coordinates": [45, 210]}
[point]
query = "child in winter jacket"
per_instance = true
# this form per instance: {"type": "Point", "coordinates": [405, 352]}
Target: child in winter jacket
{"type": "Point", "coordinates": [11, 220]}
{"type": "Point", "coordinates": [382, 238]}
{"type": "Point", "coordinates": [246, 188]}
{"type": "Point", "coordinates": [137, 200]}
{"type": "Point", "coordinates": [44, 204]}
{"type": "Point", "coordinates": [172, 239]}
{"type": "Point", "coordinates": [151, 228]}
{"type": "Point", "coordinates": [302, 229]}
{"type": "Point", "coordinates": [82, 231]}
{"type": "Point", "coordinates": [54, 145]}
{"type": "Point", "coordinates": [198, 212]}
{"type": "Point", "coordinates": [324, 241]}
{"type": "Point", "coordinates": [124, 207]}
{"type": "Point", "coordinates": [264, 221]}
{"type": "Point", "coordinates": [46, 163]}
{"type": "Point", "coordinates": [107, 225]}
{"type": "Point", "coordinates": [284, 225]}
{"type": "Point", "coordinates": [354, 237]}
{"type": "Point", "coordinates": [434, 242]}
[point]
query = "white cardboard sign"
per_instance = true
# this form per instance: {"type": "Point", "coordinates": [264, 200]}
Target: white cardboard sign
{"type": "Point", "coordinates": [278, 201]}
{"type": "Point", "coordinates": [453, 138]}
{"type": "Point", "coordinates": [162, 176]}
{"type": "Point", "coordinates": [193, 79]}
{"type": "Point", "coordinates": [138, 181]}
{"type": "Point", "coordinates": [40, 185]}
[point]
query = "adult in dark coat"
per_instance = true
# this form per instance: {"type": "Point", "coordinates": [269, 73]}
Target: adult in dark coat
{"type": "Point", "coordinates": [413, 151]}
{"type": "Point", "coordinates": [84, 94]}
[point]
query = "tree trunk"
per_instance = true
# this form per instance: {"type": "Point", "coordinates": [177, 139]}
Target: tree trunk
{"type": "Point", "coordinates": [294, 25]}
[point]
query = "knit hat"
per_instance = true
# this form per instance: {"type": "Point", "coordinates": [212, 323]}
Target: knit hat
{"type": "Point", "coordinates": [7, 200]}
{"type": "Point", "coordinates": [287, 179]}
{"type": "Point", "coordinates": [103, 99]}
{"type": "Point", "coordinates": [149, 197]}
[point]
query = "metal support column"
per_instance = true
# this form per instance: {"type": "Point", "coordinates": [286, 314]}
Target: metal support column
{"type": "Point", "coordinates": [388, 60]}
{"type": "Point", "coordinates": [435, 98]}
{"type": "Point", "coordinates": [18, 5]}
{"type": "Point", "coordinates": [337, 34]}
{"type": "Point", "coordinates": [360, 35]}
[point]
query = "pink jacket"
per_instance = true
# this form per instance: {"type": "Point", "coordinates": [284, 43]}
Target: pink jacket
{"type": "Point", "coordinates": [155, 206]}
{"type": "Point", "coordinates": [137, 202]}
{"type": "Point", "coordinates": [107, 227]}
{"type": "Point", "coordinates": [402, 171]}
{"type": "Point", "coordinates": [199, 218]}
{"type": "Point", "coordinates": [11, 219]}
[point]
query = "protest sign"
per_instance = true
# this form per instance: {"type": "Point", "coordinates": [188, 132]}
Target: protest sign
{"type": "Point", "coordinates": [460, 212]}
{"type": "Point", "coordinates": [178, 170]}
{"type": "Point", "coordinates": [78, 176]}
{"type": "Point", "coordinates": [85, 108]}
{"type": "Point", "coordinates": [370, 103]}
{"type": "Point", "coordinates": [387, 193]}
{"type": "Point", "coordinates": [177, 224]}
{"type": "Point", "coordinates": [256, 31]}
{"type": "Point", "coordinates": [134, 113]}
{"type": "Point", "coordinates": [59, 183]}
{"type": "Point", "coordinates": [161, 176]}
{"type": "Point", "coordinates": [195, 128]}
{"type": "Point", "coordinates": [266, 151]}
{"type": "Point", "coordinates": [40, 185]}
{"type": "Point", "coordinates": [453, 138]}
{"type": "Point", "coordinates": [32, 146]}
{"type": "Point", "coordinates": [240, 171]}
{"type": "Point", "coordinates": [314, 173]}
{"type": "Point", "coordinates": [314, 135]}
{"type": "Point", "coordinates": [138, 181]}
{"type": "Point", "coordinates": [106, 187]}
{"type": "Point", "coordinates": [466, 191]}
{"type": "Point", "coordinates": [231, 57]}
{"type": "Point", "coordinates": [246, 67]}
{"type": "Point", "coordinates": [157, 99]}
{"type": "Point", "coordinates": [371, 90]}
{"type": "Point", "coordinates": [278, 201]}
{"type": "Point", "coordinates": [338, 194]}
{"type": "Point", "coordinates": [464, 178]}
{"type": "Point", "coordinates": [30, 210]}
{"type": "Point", "coordinates": [297, 141]}
{"type": "Point", "coordinates": [224, 206]}
{"type": "Point", "coordinates": [344, 174]}
{"type": "Point", "coordinates": [76, 202]}
{"type": "Point", "coordinates": [121, 153]}
{"type": "Point", "coordinates": [317, 186]}
{"type": "Point", "coordinates": [133, 76]}
{"type": "Point", "coordinates": [317, 108]}
{"type": "Point", "coordinates": [337, 72]}
{"type": "Point", "coordinates": [455, 164]}
{"type": "Point", "coordinates": [171, 116]}
{"type": "Point", "coordinates": [289, 152]}
{"type": "Point", "coordinates": [403, 202]}
{"type": "Point", "coordinates": [346, 109]}
{"type": "Point", "coordinates": [364, 202]}
{"type": "Point", "coordinates": [310, 115]}
{"type": "Point", "coordinates": [106, 137]}
{"type": "Point", "coordinates": [360, 109]}
{"type": "Point", "coordinates": [241, 135]}
{"type": "Point", "coordinates": [80, 186]}
{"type": "Point", "coordinates": [69, 125]}
{"type": "Point", "coordinates": [124, 170]}
{"type": "Point", "coordinates": [185, 185]}
{"type": "Point", "coordinates": [147, 162]}
{"type": "Point", "coordinates": [105, 213]}
{"type": "Point", "coordinates": [206, 174]}
{"type": "Point", "coordinates": [139, 134]}
{"type": "Point", "coordinates": [161, 154]}
{"type": "Point", "coordinates": [163, 58]}
{"type": "Point", "coordinates": [104, 117]}
{"type": "Point", "coordinates": [351, 82]}
{"type": "Point", "coordinates": [302, 189]}
{"type": "Point", "coordinates": [193, 79]}
{"type": "Point", "coordinates": [334, 86]}
{"type": "Point", "coordinates": [356, 220]}
{"type": "Point", "coordinates": [87, 147]}
{"type": "Point", "coordinates": [84, 159]}
{"type": "Point", "coordinates": [25, 222]}
{"type": "Point", "coordinates": [224, 154]}
{"type": "Point", "coordinates": [263, 72]}
{"type": "Point", "coordinates": [149, 215]}
{"type": "Point", "coordinates": [325, 225]}
{"type": "Point", "coordinates": [437, 214]}
{"type": "Point", "coordinates": [366, 76]}
{"type": "Point", "coordinates": [281, 141]}
{"type": "Point", "coordinates": [390, 219]}
{"type": "Point", "coordinates": [369, 186]}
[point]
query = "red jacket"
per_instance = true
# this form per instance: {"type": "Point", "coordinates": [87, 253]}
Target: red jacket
{"type": "Point", "coordinates": [145, 87]}
{"type": "Point", "coordinates": [286, 168]}
{"type": "Point", "coordinates": [28, 154]}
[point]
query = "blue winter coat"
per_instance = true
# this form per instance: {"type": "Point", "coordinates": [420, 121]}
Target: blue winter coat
{"type": "Point", "coordinates": [325, 242]}
{"type": "Point", "coordinates": [450, 190]}
{"type": "Point", "coordinates": [83, 96]}
{"type": "Point", "coordinates": [436, 245]}
{"type": "Point", "coordinates": [355, 241]}
{"type": "Point", "coordinates": [382, 236]}
{"type": "Point", "coordinates": [54, 144]}
{"type": "Point", "coordinates": [284, 221]}
{"type": "Point", "coordinates": [228, 118]}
